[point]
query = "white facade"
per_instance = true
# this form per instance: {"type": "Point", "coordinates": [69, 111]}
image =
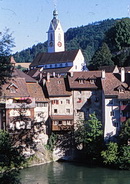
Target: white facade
{"type": "Point", "coordinates": [61, 106]}
{"type": "Point", "coordinates": [78, 63]}
{"type": "Point", "coordinates": [41, 112]}
{"type": "Point", "coordinates": [112, 118]}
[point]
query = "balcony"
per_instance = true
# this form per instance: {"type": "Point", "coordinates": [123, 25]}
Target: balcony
{"type": "Point", "coordinates": [122, 119]}
{"type": "Point", "coordinates": [62, 127]}
{"type": "Point", "coordinates": [125, 107]}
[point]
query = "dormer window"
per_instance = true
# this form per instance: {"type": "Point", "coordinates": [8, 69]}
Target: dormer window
{"type": "Point", "coordinates": [121, 90]}
{"type": "Point", "coordinates": [92, 81]}
{"type": "Point", "coordinates": [81, 81]}
{"type": "Point", "coordinates": [12, 90]}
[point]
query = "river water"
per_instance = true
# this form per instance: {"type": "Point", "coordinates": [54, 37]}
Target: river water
{"type": "Point", "coordinates": [70, 173]}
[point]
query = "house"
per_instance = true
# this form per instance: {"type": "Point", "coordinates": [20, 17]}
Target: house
{"type": "Point", "coordinates": [86, 93]}
{"type": "Point", "coordinates": [116, 100]}
{"type": "Point", "coordinates": [61, 105]}
{"type": "Point", "coordinates": [19, 101]}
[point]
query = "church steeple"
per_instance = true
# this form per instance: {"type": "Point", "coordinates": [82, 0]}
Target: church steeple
{"type": "Point", "coordinates": [55, 35]}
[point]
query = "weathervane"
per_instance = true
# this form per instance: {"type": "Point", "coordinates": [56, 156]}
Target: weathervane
{"type": "Point", "coordinates": [55, 4]}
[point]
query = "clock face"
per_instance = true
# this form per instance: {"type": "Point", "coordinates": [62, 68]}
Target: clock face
{"type": "Point", "coordinates": [51, 44]}
{"type": "Point", "coordinates": [59, 44]}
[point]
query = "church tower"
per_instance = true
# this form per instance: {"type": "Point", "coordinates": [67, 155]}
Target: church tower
{"type": "Point", "coordinates": [55, 35]}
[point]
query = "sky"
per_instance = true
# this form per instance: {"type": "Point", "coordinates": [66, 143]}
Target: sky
{"type": "Point", "coordinates": [29, 20]}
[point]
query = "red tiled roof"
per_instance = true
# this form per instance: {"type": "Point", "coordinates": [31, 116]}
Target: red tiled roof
{"type": "Point", "coordinates": [55, 57]}
{"type": "Point", "coordinates": [86, 76]}
{"type": "Point", "coordinates": [56, 87]}
{"type": "Point", "coordinates": [112, 83]}
{"type": "Point", "coordinates": [19, 73]}
{"type": "Point", "coordinates": [35, 91]}
{"type": "Point", "coordinates": [57, 70]}
{"type": "Point", "coordinates": [108, 69]}
{"type": "Point", "coordinates": [21, 90]}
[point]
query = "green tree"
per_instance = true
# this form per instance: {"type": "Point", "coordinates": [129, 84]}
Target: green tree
{"type": "Point", "coordinates": [6, 43]}
{"type": "Point", "coordinates": [102, 57]}
{"type": "Point", "coordinates": [124, 157]}
{"type": "Point", "coordinates": [118, 37]}
{"type": "Point", "coordinates": [110, 154]}
{"type": "Point", "coordinates": [90, 134]}
{"type": "Point", "coordinates": [124, 135]}
{"type": "Point", "coordinates": [10, 158]}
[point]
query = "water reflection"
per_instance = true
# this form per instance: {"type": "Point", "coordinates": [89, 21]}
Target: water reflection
{"type": "Point", "coordinates": [66, 173]}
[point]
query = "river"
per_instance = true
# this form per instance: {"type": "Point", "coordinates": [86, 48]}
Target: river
{"type": "Point", "coordinates": [70, 173]}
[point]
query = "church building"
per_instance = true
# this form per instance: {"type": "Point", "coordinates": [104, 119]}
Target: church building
{"type": "Point", "coordinates": [57, 59]}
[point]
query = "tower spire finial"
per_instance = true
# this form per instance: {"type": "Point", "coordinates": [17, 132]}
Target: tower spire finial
{"type": "Point", "coordinates": [55, 13]}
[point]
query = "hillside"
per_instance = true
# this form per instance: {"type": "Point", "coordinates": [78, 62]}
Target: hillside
{"type": "Point", "coordinates": [88, 38]}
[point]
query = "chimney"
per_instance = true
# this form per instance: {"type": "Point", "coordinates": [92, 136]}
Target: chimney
{"type": "Point", "coordinates": [40, 75]}
{"type": "Point", "coordinates": [71, 74]}
{"type": "Point", "coordinates": [103, 74]}
{"type": "Point", "coordinates": [54, 74]}
{"type": "Point", "coordinates": [48, 77]}
{"type": "Point", "coordinates": [122, 74]}
{"type": "Point", "coordinates": [44, 81]}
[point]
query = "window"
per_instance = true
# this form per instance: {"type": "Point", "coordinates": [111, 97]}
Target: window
{"type": "Point", "coordinates": [121, 90]}
{"type": "Point", "coordinates": [60, 122]}
{"type": "Point", "coordinates": [111, 101]}
{"type": "Point", "coordinates": [68, 122]}
{"type": "Point", "coordinates": [68, 111]}
{"type": "Point", "coordinates": [61, 102]}
{"type": "Point", "coordinates": [41, 104]}
{"type": "Point", "coordinates": [81, 81]}
{"type": "Point", "coordinates": [55, 122]}
{"type": "Point", "coordinates": [112, 113]}
{"type": "Point", "coordinates": [79, 100]}
{"type": "Point", "coordinates": [55, 110]}
{"type": "Point", "coordinates": [92, 81]}
{"type": "Point", "coordinates": [12, 90]}
{"type": "Point", "coordinates": [55, 101]}
{"type": "Point", "coordinates": [67, 101]}
{"type": "Point", "coordinates": [75, 66]}
{"type": "Point", "coordinates": [51, 37]}
{"type": "Point", "coordinates": [3, 113]}
{"type": "Point", "coordinates": [59, 37]}
{"type": "Point", "coordinates": [96, 99]}
{"type": "Point", "coordinates": [116, 124]}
